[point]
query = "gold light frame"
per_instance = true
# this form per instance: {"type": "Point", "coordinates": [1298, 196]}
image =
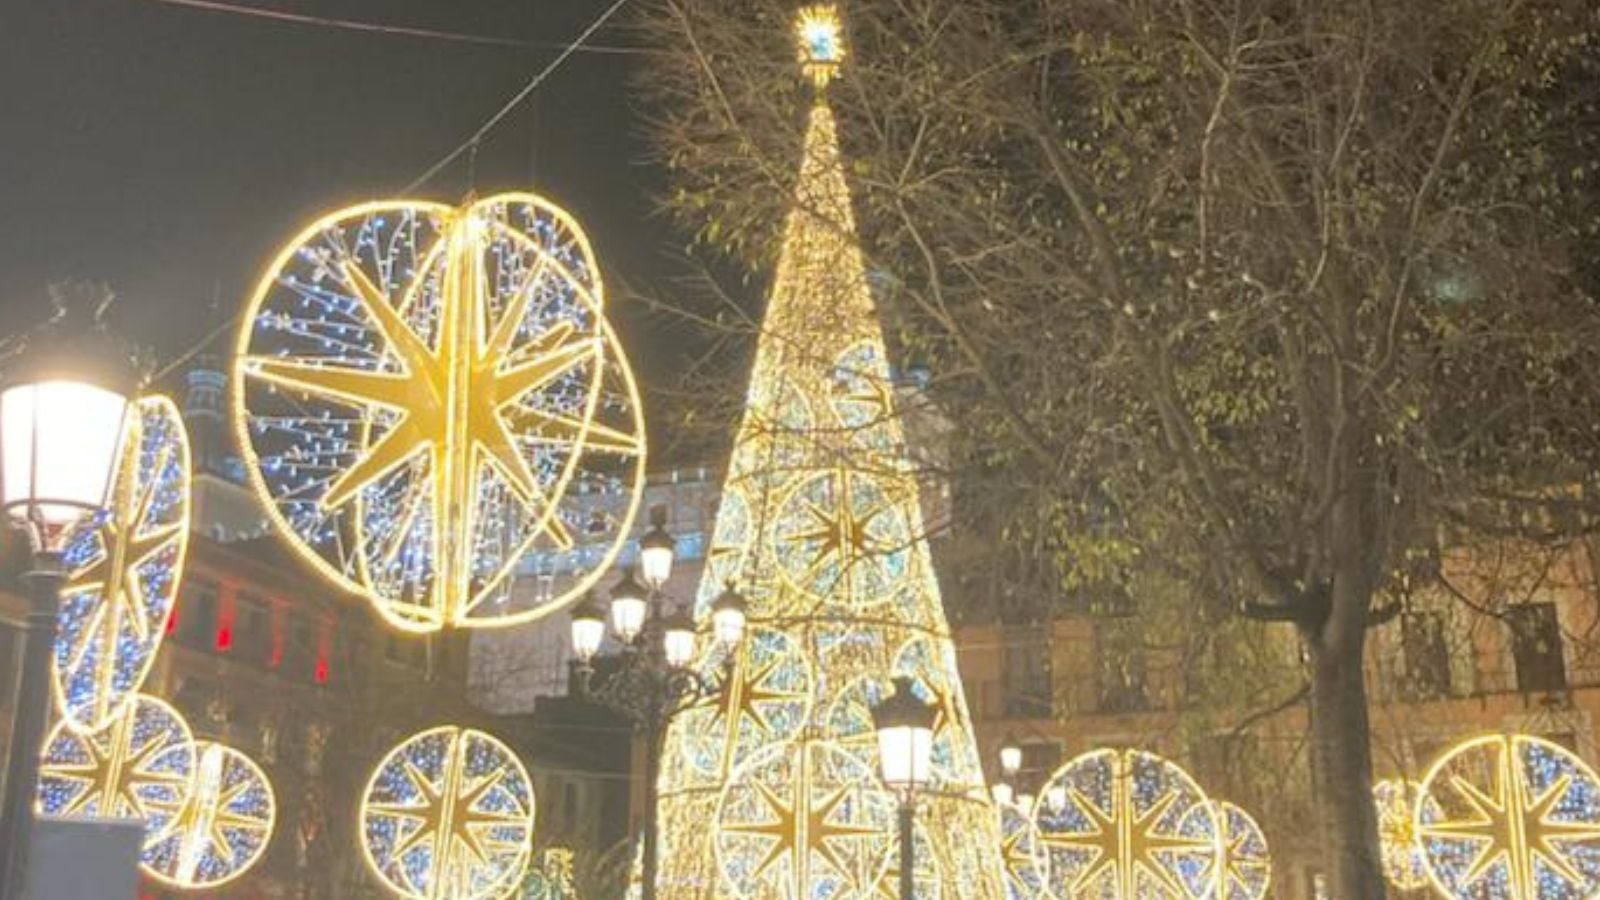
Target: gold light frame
{"type": "Point", "coordinates": [110, 579]}
{"type": "Point", "coordinates": [1512, 822]}
{"type": "Point", "coordinates": [450, 821]}
{"type": "Point", "coordinates": [232, 799]}
{"type": "Point", "coordinates": [446, 401]}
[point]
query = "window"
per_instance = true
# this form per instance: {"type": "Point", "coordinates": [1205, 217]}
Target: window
{"type": "Point", "coordinates": [1536, 647]}
{"type": "Point", "coordinates": [252, 632]}
{"type": "Point", "coordinates": [1427, 659]}
{"type": "Point", "coordinates": [1025, 674]}
{"type": "Point", "coordinates": [197, 613]}
{"type": "Point", "coordinates": [1120, 669]}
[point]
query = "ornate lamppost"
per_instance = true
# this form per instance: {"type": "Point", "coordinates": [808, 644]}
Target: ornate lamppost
{"type": "Point", "coordinates": [654, 679]}
{"type": "Point", "coordinates": [1006, 790]}
{"type": "Point", "coordinates": [904, 723]}
{"type": "Point", "coordinates": [63, 408]}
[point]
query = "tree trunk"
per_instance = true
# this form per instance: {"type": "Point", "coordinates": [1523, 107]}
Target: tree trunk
{"type": "Point", "coordinates": [1341, 756]}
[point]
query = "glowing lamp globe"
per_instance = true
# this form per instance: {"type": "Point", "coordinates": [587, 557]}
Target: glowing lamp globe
{"type": "Point", "coordinates": [656, 550]}
{"type": "Point", "coordinates": [61, 427]}
{"type": "Point", "coordinates": [728, 617]}
{"type": "Point", "coordinates": [588, 629]}
{"type": "Point", "coordinates": [1010, 758]}
{"type": "Point", "coordinates": [904, 723]}
{"type": "Point", "coordinates": [1055, 797]}
{"type": "Point", "coordinates": [628, 608]}
{"type": "Point", "coordinates": [1025, 803]}
{"type": "Point", "coordinates": [1002, 792]}
{"type": "Point", "coordinates": [677, 640]}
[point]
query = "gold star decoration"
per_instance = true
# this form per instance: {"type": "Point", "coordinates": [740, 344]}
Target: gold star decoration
{"type": "Point", "coordinates": [1243, 866]}
{"type": "Point", "coordinates": [1130, 842]}
{"type": "Point", "coordinates": [452, 799]}
{"type": "Point", "coordinates": [475, 398]}
{"type": "Point", "coordinates": [1396, 801]}
{"type": "Point", "coordinates": [845, 546]}
{"type": "Point", "coordinates": [132, 535]}
{"type": "Point", "coordinates": [1511, 825]}
{"type": "Point", "coordinates": [223, 825]}
{"type": "Point", "coordinates": [809, 823]}
{"type": "Point", "coordinates": [111, 773]}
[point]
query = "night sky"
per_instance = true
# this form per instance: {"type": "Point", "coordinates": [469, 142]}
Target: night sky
{"type": "Point", "coordinates": [170, 151]}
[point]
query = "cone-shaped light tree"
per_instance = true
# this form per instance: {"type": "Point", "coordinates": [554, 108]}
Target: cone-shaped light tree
{"type": "Point", "coordinates": [771, 788]}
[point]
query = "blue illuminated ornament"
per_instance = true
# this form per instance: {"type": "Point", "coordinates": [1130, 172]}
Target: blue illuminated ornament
{"type": "Point", "coordinates": [1511, 816]}
{"type": "Point", "coordinates": [428, 395]}
{"type": "Point", "coordinates": [1131, 824]}
{"type": "Point", "coordinates": [123, 571]}
{"type": "Point", "coordinates": [139, 767]}
{"type": "Point", "coordinates": [448, 815]}
{"type": "Point", "coordinates": [221, 828]}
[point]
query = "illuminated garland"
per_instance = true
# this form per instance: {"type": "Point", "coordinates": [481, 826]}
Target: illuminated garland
{"type": "Point", "coordinates": [1511, 816]}
{"type": "Point", "coordinates": [820, 526]}
{"type": "Point", "coordinates": [448, 815]}
{"type": "Point", "coordinates": [222, 827]}
{"type": "Point", "coordinates": [124, 567]}
{"type": "Point", "coordinates": [428, 396]}
{"type": "Point", "coordinates": [1132, 825]}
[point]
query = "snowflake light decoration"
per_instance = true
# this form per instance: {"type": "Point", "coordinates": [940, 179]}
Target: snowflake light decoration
{"type": "Point", "coordinates": [1133, 825]}
{"type": "Point", "coordinates": [448, 815]}
{"type": "Point", "coordinates": [123, 570]}
{"type": "Point", "coordinates": [1396, 802]}
{"type": "Point", "coordinates": [1511, 816]}
{"type": "Point", "coordinates": [765, 697]}
{"type": "Point", "coordinates": [222, 827]}
{"type": "Point", "coordinates": [141, 766]}
{"type": "Point", "coordinates": [426, 395]}
{"type": "Point", "coordinates": [1244, 865]}
{"type": "Point", "coordinates": [804, 818]}
{"type": "Point", "coordinates": [1019, 850]}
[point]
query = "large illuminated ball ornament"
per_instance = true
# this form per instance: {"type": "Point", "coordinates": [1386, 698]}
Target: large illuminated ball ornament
{"type": "Point", "coordinates": [1019, 844]}
{"type": "Point", "coordinates": [1244, 865]}
{"type": "Point", "coordinates": [1396, 802]}
{"type": "Point", "coordinates": [221, 829]}
{"type": "Point", "coordinates": [141, 766]}
{"type": "Point", "coordinates": [1133, 825]}
{"type": "Point", "coordinates": [448, 815]}
{"type": "Point", "coordinates": [1512, 816]}
{"type": "Point", "coordinates": [804, 818]}
{"type": "Point", "coordinates": [123, 569]}
{"type": "Point", "coordinates": [428, 395]}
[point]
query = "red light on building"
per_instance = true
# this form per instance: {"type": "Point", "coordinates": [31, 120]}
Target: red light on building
{"type": "Point", "coordinates": [172, 621]}
{"type": "Point", "coordinates": [324, 651]}
{"type": "Point", "coordinates": [225, 620]}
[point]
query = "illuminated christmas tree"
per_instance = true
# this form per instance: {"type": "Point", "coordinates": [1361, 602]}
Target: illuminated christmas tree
{"type": "Point", "coordinates": [770, 788]}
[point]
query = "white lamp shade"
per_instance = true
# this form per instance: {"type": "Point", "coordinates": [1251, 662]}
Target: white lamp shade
{"type": "Point", "coordinates": [1010, 759]}
{"type": "Point", "coordinates": [627, 616]}
{"type": "Point", "coordinates": [728, 626]}
{"type": "Point", "coordinates": [1025, 803]}
{"type": "Point", "coordinates": [1055, 798]}
{"type": "Point", "coordinates": [677, 644]}
{"type": "Point", "coordinates": [587, 635]}
{"type": "Point", "coordinates": [655, 564]}
{"type": "Point", "coordinates": [905, 752]}
{"type": "Point", "coordinates": [59, 442]}
{"type": "Point", "coordinates": [1002, 792]}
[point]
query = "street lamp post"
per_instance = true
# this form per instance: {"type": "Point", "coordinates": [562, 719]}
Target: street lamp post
{"type": "Point", "coordinates": [63, 410]}
{"type": "Point", "coordinates": [655, 680]}
{"type": "Point", "coordinates": [904, 723]}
